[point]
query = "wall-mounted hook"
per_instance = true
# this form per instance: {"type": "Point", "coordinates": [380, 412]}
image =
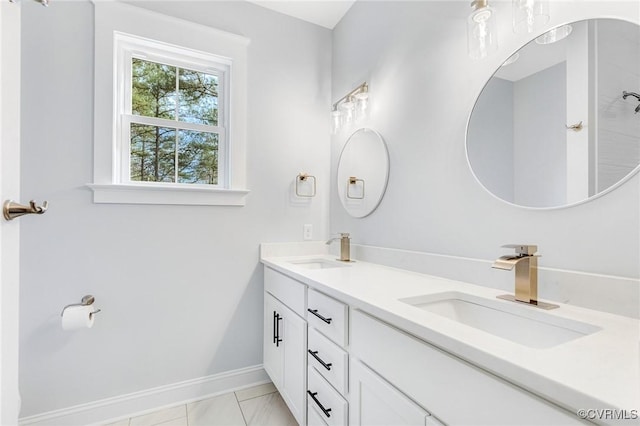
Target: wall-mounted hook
{"type": "Point", "coordinates": [11, 209]}
{"type": "Point", "coordinates": [575, 127]}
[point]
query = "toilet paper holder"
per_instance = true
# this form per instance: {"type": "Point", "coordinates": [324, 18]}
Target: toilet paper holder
{"type": "Point", "coordinates": [86, 301]}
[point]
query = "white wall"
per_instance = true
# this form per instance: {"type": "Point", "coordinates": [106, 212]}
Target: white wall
{"type": "Point", "coordinates": [423, 87]}
{"type": "Point", "coordinates": [180, 288]}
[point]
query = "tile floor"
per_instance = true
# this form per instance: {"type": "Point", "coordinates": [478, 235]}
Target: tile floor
{"type": "Point", "coordinates": [257, 406]}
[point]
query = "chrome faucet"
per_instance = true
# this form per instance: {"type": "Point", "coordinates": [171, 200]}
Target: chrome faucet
{"type": "Point", "coordinates": [345, 246]}
{"type": "Point", "coordinates": [526, 263]}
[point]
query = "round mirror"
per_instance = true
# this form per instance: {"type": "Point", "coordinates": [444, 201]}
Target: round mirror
{"type": "Point", "coordinates": [559, 122]}
{"type": "Point", "coordinates": [363, 171]}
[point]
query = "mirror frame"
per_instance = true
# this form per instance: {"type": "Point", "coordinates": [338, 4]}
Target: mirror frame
{"type": "Point", "coordinates": [613, 187]}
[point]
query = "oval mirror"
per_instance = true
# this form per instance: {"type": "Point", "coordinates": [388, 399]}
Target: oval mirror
{"type": "Point", "coordinates": [559, 122]}
{"type": "Point", "coordinates": [363, 171]}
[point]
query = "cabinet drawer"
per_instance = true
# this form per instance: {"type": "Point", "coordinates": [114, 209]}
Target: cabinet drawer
{"type": "Point", "coordinates": [287, 290]}
{"type": "Point", "coordinates": [451, 389]}
{"type": "Point", "coordinates": [321, 396]}
{"type": "Point", "coordinates": [328, 316]}
{"type": "Point", "coordinates": [329, 359]}
{"type": "Point", "coordinates": [314, 415]}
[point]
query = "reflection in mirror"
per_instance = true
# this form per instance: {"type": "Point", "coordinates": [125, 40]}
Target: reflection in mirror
{"type": "Point", "coordinates": [551, 127]}
{"type": "Point", "coordinates": [363, 171]}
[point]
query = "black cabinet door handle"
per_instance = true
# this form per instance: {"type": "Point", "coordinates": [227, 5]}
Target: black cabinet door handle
{"type": "Point", "coordinates": [324, 364]}
{"type": "Point", "coordinates": [275, 322]}
{"type": "Point", "coordinates": [326, 411]}
{"type": "Point", "coordinates": [315, 312]}
{"type": "Point", "coordinates": [278, 339]}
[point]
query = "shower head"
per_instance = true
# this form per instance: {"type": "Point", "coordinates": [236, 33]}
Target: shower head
{"type": "Point", "coordinates": [625, 94]}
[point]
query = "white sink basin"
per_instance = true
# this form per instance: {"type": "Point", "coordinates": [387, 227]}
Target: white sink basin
{"type": "Point", "coordinates": [525, 325]}
{"type": "Point", "coordinates": [318, 263]}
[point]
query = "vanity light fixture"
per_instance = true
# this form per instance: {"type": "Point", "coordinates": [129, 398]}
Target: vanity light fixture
{"type": "Point", "coordinates": [481, 30]}
{"type": "Point", "coordinates": [353, 106]}
{"type": "Point", "coordinates": [555, 35]}
{"type": "Point", "coordinates": [529, 15]}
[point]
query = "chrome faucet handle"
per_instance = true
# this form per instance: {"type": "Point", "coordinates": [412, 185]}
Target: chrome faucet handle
{"type": "Point", "coordinates": [523, 249]}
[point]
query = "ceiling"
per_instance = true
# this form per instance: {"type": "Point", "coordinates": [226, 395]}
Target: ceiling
{"type": "Point", "coordinates": [326, 13]}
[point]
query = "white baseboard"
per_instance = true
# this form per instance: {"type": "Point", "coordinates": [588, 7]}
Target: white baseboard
{"type": "Point", "coordinates": [137, 403]}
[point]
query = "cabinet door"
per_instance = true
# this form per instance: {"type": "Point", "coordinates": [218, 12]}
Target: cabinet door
{"type": "Point", "coordinates": [373, 401]}
{"type": "Point", "coordinates": [293, 332]}
{"type": "Point", "coordinates": [285, 356]}
{"type": "Point", "coordinates": [273, 358]}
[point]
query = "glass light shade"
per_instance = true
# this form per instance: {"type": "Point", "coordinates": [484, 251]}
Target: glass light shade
{"type": "Point", "coordinates": [347, 109]}
{"type": "Point", "coordinates": [481, 33]}
{"type": "Point", "coordinates": [362, 105]}
{"type": "Point", "coordinates": [555, 35]}
{"type": "Point", "coordinates": [529, 15]}
{"type": "Point", "coordinates": [336, 121]}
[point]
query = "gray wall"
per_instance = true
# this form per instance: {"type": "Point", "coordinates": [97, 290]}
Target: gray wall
{"type": "Point", "coordinates": [540, 138]}
{"type": "Point", "coordinates": [180, 287]}
{"type": "Point", "coordinates": [491, 139]}
{"type": "Point", "coordinates": [423, 86]}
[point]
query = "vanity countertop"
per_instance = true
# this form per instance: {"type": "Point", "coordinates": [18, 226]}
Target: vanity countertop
{"type": "Point", "coordinates": [596, 371]}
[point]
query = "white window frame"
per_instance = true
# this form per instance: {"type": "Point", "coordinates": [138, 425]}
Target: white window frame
{"type": "Point", "coordinates": [124, 32]}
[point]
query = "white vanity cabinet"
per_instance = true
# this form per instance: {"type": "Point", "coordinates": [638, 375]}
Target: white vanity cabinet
{"type": "Point", "coordinates": [336, 365]}
{"type": "Point", "coordinates": [453, 390]}
{"type": "Point", "coordinates": [285, 340]}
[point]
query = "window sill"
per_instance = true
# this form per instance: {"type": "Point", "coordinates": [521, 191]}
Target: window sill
{"type": "Point", "coordinates": [174, 195]}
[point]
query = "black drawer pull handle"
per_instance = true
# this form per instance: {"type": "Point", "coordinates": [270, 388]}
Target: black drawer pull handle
{"type": "Point", "coordinates": [324, 410]}
{"type": "Point", "coordinates": [315, 355]}
{"type": "Point", "coordinates": [315, 312]}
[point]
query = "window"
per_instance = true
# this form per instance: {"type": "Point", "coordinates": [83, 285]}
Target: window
{"type": "Point", "coordinates": [175, 138]}
{"type": "Point", "coordinates": [173, 115]}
